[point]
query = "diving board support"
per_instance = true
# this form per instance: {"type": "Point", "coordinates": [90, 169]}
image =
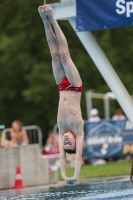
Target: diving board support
{"type": "Point", "coordinates": [106, 70]}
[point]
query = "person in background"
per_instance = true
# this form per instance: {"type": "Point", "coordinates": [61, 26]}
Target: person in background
{"type": "Point", "coordinates": [18, 135]}
{"type": "Point", "coordinates": [51, 148]}
{"type": "Point", "coordinates": [94, 115]}
{"type": "Point", "coordinates": [52, 144]}
{"type": "Point", "coordinates": [2, 138]}
{"type": "Point", "coordinates": [118, 115]}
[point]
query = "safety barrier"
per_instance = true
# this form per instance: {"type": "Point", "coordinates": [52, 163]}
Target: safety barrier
{"type": "Point", "coordinates": [34, 170]}
{"type": "Point", "coordinates": [34, 134]}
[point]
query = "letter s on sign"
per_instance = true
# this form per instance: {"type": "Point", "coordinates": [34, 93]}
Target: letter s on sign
{"type": "Point", "coordinates": [121, 8]}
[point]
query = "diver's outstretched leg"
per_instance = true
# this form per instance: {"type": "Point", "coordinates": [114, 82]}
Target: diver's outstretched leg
{"type": "Point", "coordinates": [58, 70]}
{"type": "Point", "coordinates": [71, 71]}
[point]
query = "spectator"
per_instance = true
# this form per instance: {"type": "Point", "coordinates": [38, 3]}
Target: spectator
{"type": "Point", "coordinates": [18, 135]}
{"type": "Point", "coordinates": [94, 116]}
{"type": "Point", "coordinates": [52, 148]}
{"type": "Point", "coordinates": [2, 138]}
{"type": "Point", "coordinates": [118, 115]}
{"type": "Point", "coordinates": [52, 144]}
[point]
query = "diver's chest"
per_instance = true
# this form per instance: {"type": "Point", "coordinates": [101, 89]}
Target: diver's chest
{"type": "Point", "coordinates": [70, 123]}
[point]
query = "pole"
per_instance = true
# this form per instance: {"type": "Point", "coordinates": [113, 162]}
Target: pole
{"type": "Point", "coordinates": [131, 175]}
{"type": "Point", "coordinates": [88, 102]}
{"type": "Point", "coordinates": [106, 99]}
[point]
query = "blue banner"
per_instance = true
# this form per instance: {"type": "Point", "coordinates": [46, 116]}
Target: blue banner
{"type": "Point", "coordinates": [103, 14]}
{"type": "Point", "coordinates": [108, 138]}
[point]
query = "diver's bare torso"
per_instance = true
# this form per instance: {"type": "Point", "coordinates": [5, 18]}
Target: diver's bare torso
{"type": "Point", "coordinates": [69, 113]}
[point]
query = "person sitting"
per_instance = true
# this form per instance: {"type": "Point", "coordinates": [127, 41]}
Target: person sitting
{"type": "Point", "coordinates": [94, 115]}
{"type": "Point", "coordinates": [2, 138]}
{"type": "Point", "coordinates": [51, 148]}
{"type": "Point", "coordinates": [52, 144]}
{"type": "Point", "coordinates": [18, 135]}
{"type": "Point", "coordinates": [118, 115]}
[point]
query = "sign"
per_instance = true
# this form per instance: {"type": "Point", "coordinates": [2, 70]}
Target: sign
{"type": "Point", "coordinates": [103, 14]}
{"type": "Point", "coordinates": [108, 138]}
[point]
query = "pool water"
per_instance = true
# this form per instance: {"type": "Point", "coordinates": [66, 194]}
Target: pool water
{"type": "Point", "coordinates": [88, 191]}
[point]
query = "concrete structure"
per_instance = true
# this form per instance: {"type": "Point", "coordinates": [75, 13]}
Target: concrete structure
{"type": "Point", "coordinates": [34, 169]}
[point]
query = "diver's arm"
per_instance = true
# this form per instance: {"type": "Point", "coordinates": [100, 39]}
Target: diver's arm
{"type": "Point", "coordinates": [78, 158]}
{"type": "Point", "coordinates": [62, 158]}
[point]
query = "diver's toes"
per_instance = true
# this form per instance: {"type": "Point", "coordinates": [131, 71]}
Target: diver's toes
{"type": "Point", "coordinates": [40, 8]}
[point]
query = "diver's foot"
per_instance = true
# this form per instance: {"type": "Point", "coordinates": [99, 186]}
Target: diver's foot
{"type": "Point", "coordinates": [42, 13]}
{"type": "Point", "coordinates": [50, 13]}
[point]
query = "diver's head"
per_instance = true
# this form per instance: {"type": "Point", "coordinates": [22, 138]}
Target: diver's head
{"type": "Point", "coordinates": [69, 142]}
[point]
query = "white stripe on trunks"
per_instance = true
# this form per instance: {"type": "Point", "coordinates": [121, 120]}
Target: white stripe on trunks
{"type": "Point", "coordinates": [68, 87]}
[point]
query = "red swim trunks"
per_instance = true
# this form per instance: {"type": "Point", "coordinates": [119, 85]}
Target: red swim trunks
{"type": "Point", "coordinates": [65, 85]}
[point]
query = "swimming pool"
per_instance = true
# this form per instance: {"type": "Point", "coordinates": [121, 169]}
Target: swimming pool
{"type": "Point", "coordinates": [118, 189]}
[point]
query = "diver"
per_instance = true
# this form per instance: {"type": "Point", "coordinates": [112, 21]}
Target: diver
{"type": "Point", "coordinates": [69, 84]}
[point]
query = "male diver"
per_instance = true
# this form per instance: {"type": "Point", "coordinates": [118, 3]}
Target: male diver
{"type": "Point", "coordinates": [69, 84]}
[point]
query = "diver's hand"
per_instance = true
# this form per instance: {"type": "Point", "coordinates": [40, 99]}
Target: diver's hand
{"type": "Point", "coordinates": [71, 180]}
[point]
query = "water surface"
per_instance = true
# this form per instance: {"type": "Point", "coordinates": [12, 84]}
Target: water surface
{"type": "Point", "coordinates": [88, 191]}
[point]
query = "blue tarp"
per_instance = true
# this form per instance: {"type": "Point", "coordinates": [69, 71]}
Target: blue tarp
{"type": "Point", "coordinates": [108, 138]}
{"type": "Point", "coordinates": [103, 14]}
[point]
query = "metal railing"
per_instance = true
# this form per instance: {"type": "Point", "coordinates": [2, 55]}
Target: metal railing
{"type": "Point", "coordinates": [90, 95]}
{"type": "Point", "coordinates": [34, 134]}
